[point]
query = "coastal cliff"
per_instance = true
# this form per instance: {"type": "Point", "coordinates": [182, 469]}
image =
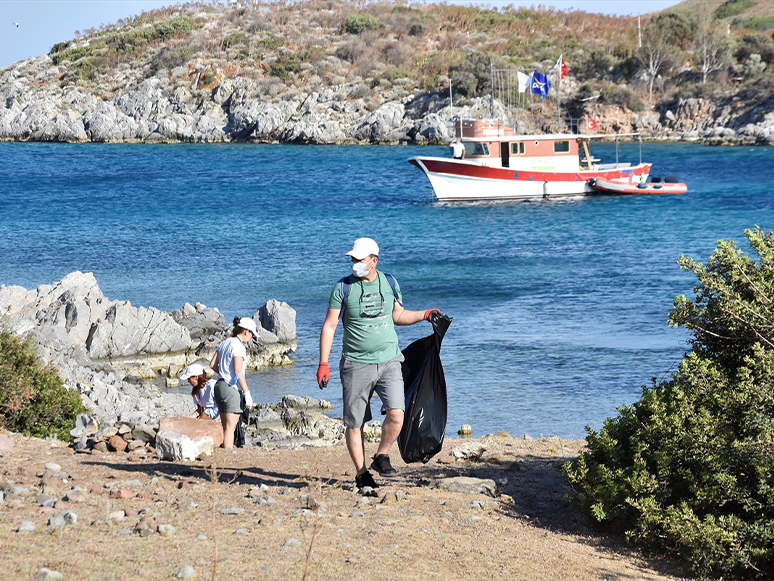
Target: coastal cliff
{"type": "Point", "coordinates": [340, 73]}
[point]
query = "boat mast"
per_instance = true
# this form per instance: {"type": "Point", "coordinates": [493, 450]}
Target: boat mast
{"type": "Point", "coordinates": [491, 90]}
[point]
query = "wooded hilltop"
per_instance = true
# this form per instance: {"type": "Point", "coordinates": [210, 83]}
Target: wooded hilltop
{"type": "Point", "coordinates": [319, 71]}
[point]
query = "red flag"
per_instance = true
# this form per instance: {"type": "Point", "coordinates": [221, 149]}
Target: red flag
{"type": "Point", "coordinates": [591, 124]}
{"type": "Point", "coordinates": [562, 66]}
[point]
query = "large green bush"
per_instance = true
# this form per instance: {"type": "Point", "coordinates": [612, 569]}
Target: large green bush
{"type": "Point", "coordinates": [358, 23]}
{"type": "Point", "coordinates": [33, 399]}
{"type": "Point", "coordinates": [689, 469]}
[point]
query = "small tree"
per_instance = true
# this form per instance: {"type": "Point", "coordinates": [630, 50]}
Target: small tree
{"type": "Point", "coordinates": [689, 469]}
{"type": "Point", "coordinates": [33, 400]}
{"type": "Point", "coordinates": [711, 49]}
{"type": "Point", "coordinates": [655, 55]}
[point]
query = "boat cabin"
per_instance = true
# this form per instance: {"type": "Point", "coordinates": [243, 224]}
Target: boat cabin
{"type": "Point", "coordinates": [490, 144]}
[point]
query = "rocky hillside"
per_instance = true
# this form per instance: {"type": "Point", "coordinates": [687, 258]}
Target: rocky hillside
{"type": "Point", "coordinates": [343, 72]}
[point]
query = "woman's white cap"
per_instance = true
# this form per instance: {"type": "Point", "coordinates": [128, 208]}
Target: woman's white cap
{"type": "Point", "coordinates": [363, 247]}
{"type": "Point", "coordinates": [249, 324]}
{"type": "Point", "coordinates": [195, 370]}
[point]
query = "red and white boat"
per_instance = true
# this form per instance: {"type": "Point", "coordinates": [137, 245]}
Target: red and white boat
{"type": "Point", "coordinates": [499, 165]}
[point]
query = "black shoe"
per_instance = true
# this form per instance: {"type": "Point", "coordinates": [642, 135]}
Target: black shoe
{"type": "Point", "coordinates": [382, 465]}
{"type": "Point", "coordinates": [365, 479]}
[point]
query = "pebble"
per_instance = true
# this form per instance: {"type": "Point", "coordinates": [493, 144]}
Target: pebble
{"type": "Point", "coordinates": [362, 501]}
{"type": "Point", "coordinates": [126, 532]}
{"type": "Point", "coordinates": [357, 514]}
{"type": "Point", "coordinates": [134, 482]}
{"type": "Point", "coordinates": [416, 518]}
{"type": "Point", "coordinates": [186, 572]}
{"type": "Point", "coordinates": [75, 496]}
{"type": "Point", "coordinates": [19, 491]}
{"type": "Point", "coordinates": [473, 518]}
{"type": "Point", "coordinates": [117, 515]}
{"type": "Point", "coordinates": [26, 526]}
{"type": "Point", "coordinates": [46, 500]}
{"type": "Point", "coordinates": [69, 517]}
{"type": "Point", "coordinates": [241, 532]}
{"type": "Point", "coordinates": [291, 542]}
{"type": "Point", "coordinates": [232, 510]}
{"type": "Point", "coordinates": [166, 530]}
{"type": "Point", "coordinates": [53, 466]}
{"type": "Point", "coordinates": [56, 522]}
{"type": "Point", "coordinates": [266, 500]}
{"type": "Point", "coordinates": [96, 490]}
{"type": "Point", "coordinates": [44, 574]}
{"type": "Point", "coordinates": [201, 537]}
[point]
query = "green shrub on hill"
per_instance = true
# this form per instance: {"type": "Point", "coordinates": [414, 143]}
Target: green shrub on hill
{"type": "Point", "coordinates": [33, 400]}
{"type": "Point", "coordinates": [733, 8]}
{"type": "Point", "coordinates": [689, 469]}
{"type": "Point", "coordinates": [359, 23]}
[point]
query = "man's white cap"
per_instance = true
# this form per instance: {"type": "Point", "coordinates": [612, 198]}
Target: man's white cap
{"type": "Point", "coordinates": [196, 369]}
{"type": "Point", "coordinates": [363, 247]}
{"type": "Point", "coordinates": [249, 324]}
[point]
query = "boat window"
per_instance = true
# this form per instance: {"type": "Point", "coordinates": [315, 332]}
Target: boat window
{"type": "Point", "coordinates": [517, 148]}
{"type": "Point", "coordinates": [476, 149]}
{"type": "Point", "coordinates": [561, 146]}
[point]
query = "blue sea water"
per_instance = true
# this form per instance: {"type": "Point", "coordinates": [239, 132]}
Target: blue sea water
{"type": "Point", "coordinates": [560, 307]}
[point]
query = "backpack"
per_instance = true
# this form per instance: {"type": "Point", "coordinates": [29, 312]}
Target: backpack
{"type": "Point", "coordinates": [345, 283]}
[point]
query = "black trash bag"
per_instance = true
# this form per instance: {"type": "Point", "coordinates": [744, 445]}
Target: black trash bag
{"type": "Point", "coordinates": [240, 432]}
{"type": "Point", "coordinates": [424, 424]}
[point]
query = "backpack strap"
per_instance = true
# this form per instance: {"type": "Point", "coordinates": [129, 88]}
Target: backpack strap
{"type": "Point", "coordinates": [345, 295]}
{"type": "Point", "coordinates": [393, 284]}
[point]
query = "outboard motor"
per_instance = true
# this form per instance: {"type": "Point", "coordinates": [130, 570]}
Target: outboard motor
{"type": "Point", "coordinates": [671, 179]}
{"type": "Point", "coordinates": [655, 180]}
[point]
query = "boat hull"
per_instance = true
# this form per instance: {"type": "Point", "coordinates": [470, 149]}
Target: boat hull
{"type": "Point", "coordinates": [461, 181]}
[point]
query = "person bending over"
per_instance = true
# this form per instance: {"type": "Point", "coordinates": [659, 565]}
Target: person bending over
{"type": "Point", "coordinates": [230, 362]}
{"type": "Point", "coordinates": [203, 383]}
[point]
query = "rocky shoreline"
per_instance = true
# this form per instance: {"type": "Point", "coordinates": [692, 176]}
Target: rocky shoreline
{"type": "Point", "coordinates": [165, 109]}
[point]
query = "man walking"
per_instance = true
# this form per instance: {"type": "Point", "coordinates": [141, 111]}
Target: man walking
{"type": "Point", "coordinates": [370, 304]}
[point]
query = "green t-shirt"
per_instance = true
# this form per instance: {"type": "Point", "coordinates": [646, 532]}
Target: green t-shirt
{"type": "Point", "coordinates": [369, 333]}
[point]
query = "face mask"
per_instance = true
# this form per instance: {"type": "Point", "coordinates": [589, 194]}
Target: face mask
{"type": "Point", "coordinates": [359, 269]}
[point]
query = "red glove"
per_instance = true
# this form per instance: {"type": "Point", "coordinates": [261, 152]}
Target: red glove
{"type": "Point", "coordinates": [323, 375]}
{"type": "Point", "coordinates": [428, 311]}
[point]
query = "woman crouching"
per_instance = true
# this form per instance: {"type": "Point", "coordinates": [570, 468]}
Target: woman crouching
{"type": "Point", "coordinates": [202, 381]}
{"type": "Point", "coordinates": [230, 362]}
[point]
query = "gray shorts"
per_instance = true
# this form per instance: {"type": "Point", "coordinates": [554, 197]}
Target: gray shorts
{"type": "Point", "coordinates": [360, 380]}
{"type": "Point", "coordinates": [228, 398]}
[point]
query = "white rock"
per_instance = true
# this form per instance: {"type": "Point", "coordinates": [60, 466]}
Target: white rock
{"type": "Point", "coordinates": [174, 446]}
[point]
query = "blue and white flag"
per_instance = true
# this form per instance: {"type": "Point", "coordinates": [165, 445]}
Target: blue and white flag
{"type": "Point", "coordinates": [540, 85]}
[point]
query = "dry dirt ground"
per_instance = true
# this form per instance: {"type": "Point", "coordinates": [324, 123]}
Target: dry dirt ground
{"type": "Point", "coordinates": [409, 531]}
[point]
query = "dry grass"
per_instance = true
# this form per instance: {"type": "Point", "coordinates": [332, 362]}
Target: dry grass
{"type": "Point", "coordinates": [417, 533]}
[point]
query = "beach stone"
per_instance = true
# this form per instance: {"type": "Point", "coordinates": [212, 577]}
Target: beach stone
{"type": "Point", "coordinates": [166, 530]}
{"type": "Point", "coordinates": [193, 428]}
{"type": "Point", "coordinates": [232, 510]}
{"type": "Point", "coordinates": [75, 496]}
{"type": "Point", "coordinates": [468, 451]}
{"type": "Point", "coordinates": [291, 542]}
{"type": "Point", "coordinates": [126, 532]}
{"type": "Point", "coordinates": [26, 526]}
{"type": "Point", "coordinates": [144, 433]}
{"type": "Point", "coordinates": [186, 572]}
{"type": "Point", "coordinates": [105, 433]}
{"type": "Point", "coordinates": [117, 515]}
{"type": "Point", "coordinates": [121, 493]}
{"type": "Point", "coordinates": [134, 482]}
{"type": "Point", "coordinates": [465, 430]}
{"type": "Point", "coordinates": [6, 445]}
{"type": "Point", "coordinates": [357, 514]}
{"type": "Point", "coordinates": [19, 491]}
{"type": "Point", "coordinates": [45, 500]}
{"type": "Point", "coordinates": [135, 445]}
{"type": "Point", "coordinates": [101, 447]}
{"type": "Point", "coordinates": [201, 537]}
{"type": "Point", "coordinates": [241, 532]}
{"type": "Point", "coordinates": [96, 489]}
{"type": "Point", "coordinates": [175, 446]}
{"type": "Point", "coordinates": [85, 425]}
{"type": "Point", "coordinates": [56, 522]}
{"type": "Point", "coordinates": [44, 574]}
{"type": "Point", "coordinates": [69, 517]}
{"type": "Point", "coordinates": [266, 500]}
{"type": "Point", "coordinates": [467, 485]}
{"type": "Point", "coordinates": [117, 443]}
{"type": "Point", "coordinates": [53, 466]}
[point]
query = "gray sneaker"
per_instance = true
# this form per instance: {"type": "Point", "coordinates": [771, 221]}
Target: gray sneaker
{"type": "Point", "coordinates": [382, 465]}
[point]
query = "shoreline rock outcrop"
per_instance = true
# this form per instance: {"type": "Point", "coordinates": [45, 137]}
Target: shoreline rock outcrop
{"type": "Point", "coordinates": [72, 319]}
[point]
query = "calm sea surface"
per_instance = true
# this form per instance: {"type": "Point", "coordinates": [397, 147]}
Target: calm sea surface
{"type": "Point", "coordinates": [559, 307]}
